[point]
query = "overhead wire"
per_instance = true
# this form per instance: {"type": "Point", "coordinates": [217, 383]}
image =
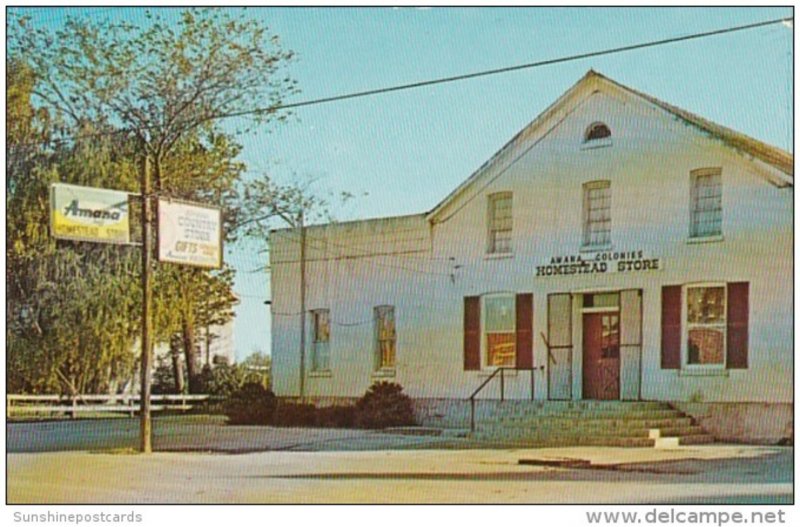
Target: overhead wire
{"type": "Point", "coordinates": [432, 82]}
{"type": "Point", "coordinates": [453, 78]}
{"type": "Point", "coordinates": [380, 264]}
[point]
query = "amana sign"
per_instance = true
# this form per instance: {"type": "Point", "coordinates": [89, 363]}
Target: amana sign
{"type": "Point", "coordinates": [89, 214]}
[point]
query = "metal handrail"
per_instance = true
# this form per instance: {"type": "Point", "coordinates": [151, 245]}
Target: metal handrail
{"type": "Point", "coordinates": [501, 370]}
{"type": "Point", "coordinates": [485, 382]}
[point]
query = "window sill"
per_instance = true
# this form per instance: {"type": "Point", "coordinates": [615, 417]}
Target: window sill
{"type": "Point", "coordinates": [688, 371]}
{"type": "Point", "coordinates": [597, 143]}
{"type": "Point", "coordinates": [499, 256]}
{"type": "Point", "coordinates": [320, 374]}
{"type": "Point", "coordinates": [706, 239]}
{"type": "Point", "coordinates": [488, 371]}
{"type": "Point", "coordinates": [384, 373]}
{"type": "Point", "coordinates": [596, 248]}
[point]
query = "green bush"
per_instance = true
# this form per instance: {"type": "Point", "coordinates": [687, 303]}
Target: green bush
{"type": "Point", "coordinates": [384, 405]}
{"type": "Point", "coordinates": [336, 417]}
{"type": "Point", "coordinates": [294, 414]}
{"type": "Point", "coordinates": [252, 404]}
{"type": "Point", "coordinates": [222, 380]}
{"type": "Point", "coordinates": [164, 379]}
{"type": "Point", "coordinates": [306, 415]}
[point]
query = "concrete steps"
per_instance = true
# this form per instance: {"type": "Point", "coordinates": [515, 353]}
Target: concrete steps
{"type": "Point", "coordinates": [533, 423]}
{"type": "Point", "coordinates": [595, 423]}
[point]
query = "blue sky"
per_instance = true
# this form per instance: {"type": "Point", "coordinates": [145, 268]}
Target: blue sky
{"type": "Point", "coordinates": [407, 150]}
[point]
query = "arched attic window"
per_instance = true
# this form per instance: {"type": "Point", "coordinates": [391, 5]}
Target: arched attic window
{"type": "Point", "coordinates": [596, 131]}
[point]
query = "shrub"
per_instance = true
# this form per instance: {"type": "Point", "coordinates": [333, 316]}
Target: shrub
{"type": "Point", "coordinates": [252, 404]}
{"type": "Point", "coordinates": [164, 379]}
{"type": "Point", "coordinates": [336, 416]}
{"type": "Point", "coordinates": [294, 414]}
{"type": "Point", "coordinates": [299, 414]}
{"type": "Point", "coordinates": [384, 405]}
{"type": "Point", "coordinates": [221, 380]}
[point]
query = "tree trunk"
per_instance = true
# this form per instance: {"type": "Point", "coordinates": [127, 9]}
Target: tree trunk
{"type": "Point", "coordinates": [190, 353]}
{"type": "Point", "coordinates": [177, 365]}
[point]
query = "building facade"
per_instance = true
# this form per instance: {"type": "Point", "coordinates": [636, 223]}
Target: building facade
{"type": "Point", "coordinates": [616, 248]}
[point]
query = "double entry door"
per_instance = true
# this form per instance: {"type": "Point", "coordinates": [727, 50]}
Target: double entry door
{"type": "Point", "coordinates": [610, 330]}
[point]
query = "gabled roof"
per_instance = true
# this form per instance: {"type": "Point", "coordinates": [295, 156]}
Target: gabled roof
{"type": "Point", "coordinates": [771, 155]}
{"type": "Point", "coordinates": [775, 157]}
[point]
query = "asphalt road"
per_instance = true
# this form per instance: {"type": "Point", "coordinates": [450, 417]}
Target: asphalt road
{"type": "Point", "coordinates": [93, 462]}
{"type": "Point", "coordinates": [201, 433]}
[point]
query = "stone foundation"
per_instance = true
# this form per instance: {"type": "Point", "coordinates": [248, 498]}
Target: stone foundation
{"type": "Point", "coordinates": [755, 423]}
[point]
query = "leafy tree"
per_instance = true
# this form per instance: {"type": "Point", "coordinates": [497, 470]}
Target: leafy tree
{"type": "Point", "coordinates": [68, 323]}
{"type": "Point", "coordinates": [162, 81]}
{"type": "Point", "coordinates": [257, 361]}
{"type": "Point", "coordinates": [266, 200]}
{"type": "Point", "coordinates": [259, 367]}
{"type": "Point", "coordinates": [158, 91]}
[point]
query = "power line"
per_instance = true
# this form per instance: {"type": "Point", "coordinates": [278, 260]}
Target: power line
{"type": "Point", "coordinates": [326, 243]}
{"type": "Point", "coordinates": [465, 76]}
{"type": "Point", "coordinates": [518, 67]}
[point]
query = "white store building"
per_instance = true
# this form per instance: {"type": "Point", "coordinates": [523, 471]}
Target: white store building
{"type": "Point", "coordinates": [616, 248]}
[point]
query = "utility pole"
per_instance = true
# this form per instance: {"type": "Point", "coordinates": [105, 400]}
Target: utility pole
{"type": "Point", "coordinates": [208, 344]}
{"type": "Point", "coordinates": [302, 307]}
{"type": "Point", "coordinates": [146, 374]}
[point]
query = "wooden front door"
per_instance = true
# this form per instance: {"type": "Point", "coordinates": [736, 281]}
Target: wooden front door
{"type": "Point", "coordinates": [601, 355]}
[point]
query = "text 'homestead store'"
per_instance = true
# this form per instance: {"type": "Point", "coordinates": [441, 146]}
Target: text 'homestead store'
{"type": "Point", "coordinates": [618, 248]}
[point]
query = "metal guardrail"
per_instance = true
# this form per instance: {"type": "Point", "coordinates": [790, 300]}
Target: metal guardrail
{"type": "Point", "coordinates": [73, 405]}
{"type": "Point", "coordinates": [501, 370]}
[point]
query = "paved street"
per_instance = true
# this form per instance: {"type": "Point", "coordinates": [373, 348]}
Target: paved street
{"type": "Point", "coordinates": [47, 464]}
{"type": "Point", "coordinates": [201, 433]}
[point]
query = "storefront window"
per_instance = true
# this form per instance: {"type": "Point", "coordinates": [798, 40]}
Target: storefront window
{"type": "Point", "coordinates": [705, 317]}
{"type": "Point", "coordinates": [499, 330]}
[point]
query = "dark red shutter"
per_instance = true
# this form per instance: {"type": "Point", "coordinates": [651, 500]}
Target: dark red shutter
{"type": "Point", "coordinates": [738, 310]}
{"type": "Point", "coordinates": [671, 327]}
{"type": "Point", "coordinates": [525, 330]}
{"type": "Point", "coordinates": [472, 333]}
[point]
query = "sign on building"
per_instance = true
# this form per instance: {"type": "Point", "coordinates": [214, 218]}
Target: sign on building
{"type": "Point", "coordinates": [89, 214]}
{"type": "Point", "coordinates": [189, 234]}
{"type": "Point", "coordinates": [609, 262]}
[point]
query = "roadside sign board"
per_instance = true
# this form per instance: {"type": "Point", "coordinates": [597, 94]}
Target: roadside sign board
{"type": "Point", "coordinates": [189, 234]}
{"type": "Point", "coordinates": [89, 214]}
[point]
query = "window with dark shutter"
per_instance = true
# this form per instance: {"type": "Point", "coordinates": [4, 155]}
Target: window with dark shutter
{"type": "Point", "coordinates": [671, 327]}
{"type": "Point", "coordinates": [738, 314]}
{"type": "Point", "coordinates": [525, 330]}
{"type": "Point", "coordinates": [705, 324]}
{"type": "Point", "coordinates": [472, 333]}
{"type": "Point", "coordinates": [499, 322]}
